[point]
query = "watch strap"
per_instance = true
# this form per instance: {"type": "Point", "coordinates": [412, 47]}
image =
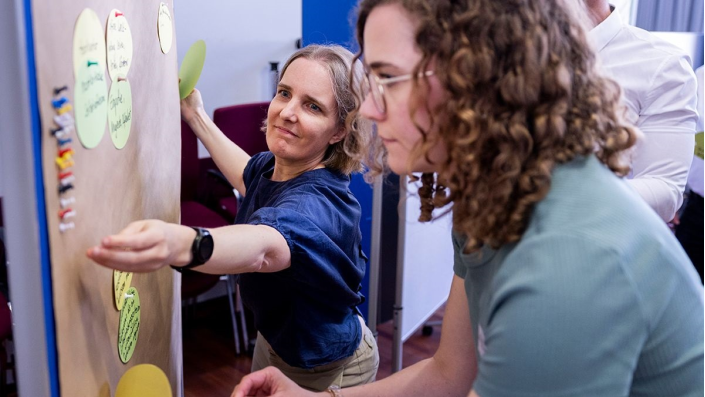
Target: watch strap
{"type": "Point", "coordinates": [195, 250]}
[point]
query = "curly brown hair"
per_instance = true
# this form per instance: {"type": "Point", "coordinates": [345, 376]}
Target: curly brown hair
{"type": "Point", "coordinates": [523, 95]}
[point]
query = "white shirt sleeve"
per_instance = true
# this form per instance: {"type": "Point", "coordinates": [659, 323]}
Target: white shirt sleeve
{"type": "Point", "coordinates": [667, 118]}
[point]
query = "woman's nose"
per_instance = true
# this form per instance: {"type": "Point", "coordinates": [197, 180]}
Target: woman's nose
{"type": "Point", "coordinates": [368, 109]}
{"type": "Point", "coordinates": [288, 112]}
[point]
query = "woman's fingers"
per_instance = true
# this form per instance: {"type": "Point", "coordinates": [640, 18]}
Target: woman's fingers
{"type": "Point", "coordinates": [268, 382]}
{"type": "Point", "coordinates": [138, 235]}
{"type": "Point", "coordinates": [128, 260]}
{"type": "Point", "coordinates": [137, 241]}
{"type": "Point", "coordinates": [255, 384]}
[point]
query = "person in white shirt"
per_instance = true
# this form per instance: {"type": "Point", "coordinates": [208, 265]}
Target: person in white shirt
{"type": "Point", "coordinates": [690, 229]}
{"type": "Point", "coordinates": [659, 91]}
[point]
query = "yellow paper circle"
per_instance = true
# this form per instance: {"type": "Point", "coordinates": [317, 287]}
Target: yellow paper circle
{"type": "Point", "coordinates": [129, 325]}
{"type": "Point", "coordinates": [119, 45]}
{"type": "Point", "coordinates": [120, 112]}
{"type": "Point", "coordinates": [143, 380]}
{"type": "Point", "coordinates": [121, 283]}
{"type": "Point", "coordinates": [165, 28]}
{"type": "Point", "coordinates": [88, 42]}
{"type": "Point", "coordinates": [90, 105]}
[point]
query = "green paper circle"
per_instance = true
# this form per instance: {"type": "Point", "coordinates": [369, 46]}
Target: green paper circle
{"type": "Point", "coordinates": [120, 112]}
{"type": "Point", "coordinates": [129, 325]}
{"type": "Point", "coordinates": [91, 105]}
{"type": "Point", "coordinates": [88, 42]}
{"type": "Point", "coordinates": [191, 68]}
{"type": "Point", "coordinates": [119, 47]}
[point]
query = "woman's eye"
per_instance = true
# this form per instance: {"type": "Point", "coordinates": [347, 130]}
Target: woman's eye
{"type": "Point", "coordinates": [283, 93]}
{"type": "Point", "coordinates": [315, 107]}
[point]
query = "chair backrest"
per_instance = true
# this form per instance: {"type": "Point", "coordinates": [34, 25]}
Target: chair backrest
{"type": "Point", "coordinates": [243, 124]}
{"type": "Point", "coordinates": [5, 319]}
{"type": "Point", "coordinates": [189, 163]}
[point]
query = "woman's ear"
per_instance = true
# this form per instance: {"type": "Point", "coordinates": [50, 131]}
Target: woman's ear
{"type": "Point", "coordinates": [338, 136]}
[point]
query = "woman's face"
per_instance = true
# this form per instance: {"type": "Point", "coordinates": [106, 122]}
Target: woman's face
{"type": "Point", "coordinates": [302, 117]}
{"type": "Point", "coordinates": [390, 51]}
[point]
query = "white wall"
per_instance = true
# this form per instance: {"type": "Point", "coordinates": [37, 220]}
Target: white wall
{"type": "Point", "coordinates": [241, 37]}
{"type": "Point", "coordinates": [428, 263]}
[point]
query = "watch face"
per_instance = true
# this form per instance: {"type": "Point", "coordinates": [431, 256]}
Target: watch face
{"type": "Point", "coordinates": [205, 247]}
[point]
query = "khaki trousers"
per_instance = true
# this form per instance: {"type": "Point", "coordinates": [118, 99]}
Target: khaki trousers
{"type": "Point", "coordinates": [355, 370]}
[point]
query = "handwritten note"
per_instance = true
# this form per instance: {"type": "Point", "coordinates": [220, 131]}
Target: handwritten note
{"type": "Point", "coordinates": [120, 112]}
{"type": "Point", "coordinates": [88, 42]}
{"type": "Point", "coordinates": [121, 283]}
{"type": "Point", "coordinates": [91, 105]}
{"type": "Point", "coordinates": [143, 380]}
{"type": "Point", "coordinates": [129, 325]}
{"type": "Point", "coordinates": [165, 28]}
{"type": "Point", "coordinates": [119, 43]}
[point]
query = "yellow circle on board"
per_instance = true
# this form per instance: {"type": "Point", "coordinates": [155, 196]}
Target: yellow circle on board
{"type": "Point", "coordinates": [120, 112]}
{"type": "Point", "coordinates": [88, 42]}
{"type": "Point", "coordinates": [143, 380]}
{"type": "Point", "coordinates": [129, 325]}
{"type": "Point", "coordinates": [90, 105]}
{"type": "Point", "coordinates": [165, 28]}
{"type": "Point", "coordinates": [121, 283]}
{"type": "Point", "coordinates": [119, 45]}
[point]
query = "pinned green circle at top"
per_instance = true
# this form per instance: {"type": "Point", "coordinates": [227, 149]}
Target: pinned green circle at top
{"type": "Point", "coordinates": [191, 68]}
{"type": "Point", "coordinates": [118, 44]}
{"type": "Point", "coordinates": [88, 43]}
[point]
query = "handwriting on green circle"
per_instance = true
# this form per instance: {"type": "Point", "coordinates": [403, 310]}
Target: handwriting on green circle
{"type": "Point", "coordinates": [118, 45]}
{"type": "Point", "coordinates": [90, 105]}
{"type": "Point", "coordinates": [122, 281]}
{"type": "Point", "coordinates": [129, 325]}
{"type": "Point", "coordinates": [120, 112]}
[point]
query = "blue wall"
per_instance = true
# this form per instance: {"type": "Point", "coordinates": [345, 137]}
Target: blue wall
{"type": "Point", "coordinates": [329, 22]}
{"type": "Point", "coordinates": [332, 22]}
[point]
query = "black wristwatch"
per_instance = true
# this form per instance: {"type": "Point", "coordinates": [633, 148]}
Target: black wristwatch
{"type": "Point", "coordinates": [201, 249]}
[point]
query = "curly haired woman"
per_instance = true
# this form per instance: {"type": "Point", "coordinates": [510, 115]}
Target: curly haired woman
{"type": "Point", "coordinates": [566, 283]}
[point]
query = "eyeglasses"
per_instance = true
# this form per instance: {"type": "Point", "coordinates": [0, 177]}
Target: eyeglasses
{"type": "Point", "coordinates": [371, 80]}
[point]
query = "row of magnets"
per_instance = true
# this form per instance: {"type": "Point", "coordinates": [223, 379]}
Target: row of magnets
{"type": "Point", "coordinates": [64, 160]}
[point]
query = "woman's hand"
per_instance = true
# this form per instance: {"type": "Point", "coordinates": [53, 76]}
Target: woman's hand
{"type": "Point", "coordinates": [145, 246]}
{"type": "Point", "coordinates": [191, 106]}
{"type": "Point", "coordinates": [269, 382]}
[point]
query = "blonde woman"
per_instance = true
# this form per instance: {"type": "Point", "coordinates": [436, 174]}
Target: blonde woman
{"type": "Point", "coordinates": [297, 235]}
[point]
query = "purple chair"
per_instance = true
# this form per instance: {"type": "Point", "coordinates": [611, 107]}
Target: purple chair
{"type": "Point", "coordinates": [6, 362]}
{"type": "Point", "coordinates": [243, 125]}
{"type": "Point", "coordinates": [194, 213]}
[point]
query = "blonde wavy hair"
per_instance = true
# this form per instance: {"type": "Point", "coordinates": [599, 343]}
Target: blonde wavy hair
{"type": "Point", "coordinates": [523, 95]}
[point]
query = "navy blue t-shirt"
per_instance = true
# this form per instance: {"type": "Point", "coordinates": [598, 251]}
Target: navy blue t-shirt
{"type": "Point", "coordinates": [306, 312]}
